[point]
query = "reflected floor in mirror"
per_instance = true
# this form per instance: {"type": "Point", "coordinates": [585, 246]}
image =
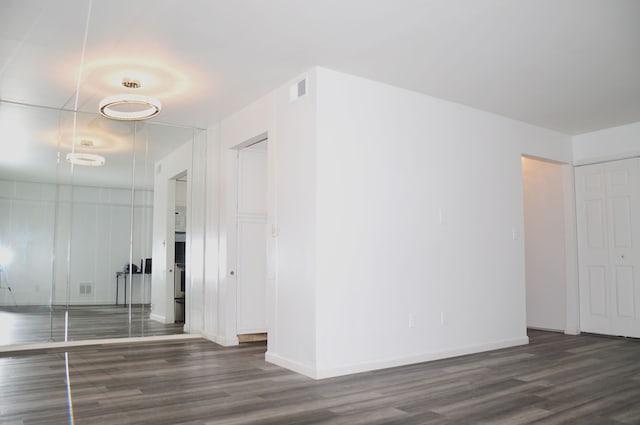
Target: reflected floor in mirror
{"type": "Point", "coordinates": [31, 324]}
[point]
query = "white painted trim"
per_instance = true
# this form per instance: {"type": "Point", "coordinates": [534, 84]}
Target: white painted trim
{"type": "Point", "coordinates": [291, 365]}
{"type": "Point", "coordinates": [537, 328]}
{"type": "Point", "coordinates": [419, 358]}
{"type": "Point", "coordinates": [158, 318]}
{"type": "Point", "coordinates": [572, 286]}
{"type": "Point", "coordinates": [251, 141]}
{"type": "Point", "coordinates": [606, 158]}
{"type": "Point", "coordinates": [90, 342]}
{"type": "Point", "coordinates": [224, 341]}
{"type": "Point", "coordinates": [252, 331]}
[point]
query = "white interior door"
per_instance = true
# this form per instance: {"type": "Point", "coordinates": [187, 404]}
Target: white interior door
{"type": "Point", "coordinates": [252, 242]}
{"type": "Point", "coordinates": [608, 208]}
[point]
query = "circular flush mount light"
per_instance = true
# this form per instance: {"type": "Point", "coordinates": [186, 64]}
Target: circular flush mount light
{"type": "Point", "coordinates": [130, 107]}
{"type": "Point", "coordinates": [87, 159]}
{"type": "Point", "coordinates": [131, 83]}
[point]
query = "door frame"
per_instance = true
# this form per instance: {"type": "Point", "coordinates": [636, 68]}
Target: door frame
{"type": "Point", "coordinates": [170, 247]}
{"type": "Point", "coordinates": [229, 232]}
{"type": "Point", "coordinates": [246, 218]}
{"type": "Point", "coordinates": [572, 295]}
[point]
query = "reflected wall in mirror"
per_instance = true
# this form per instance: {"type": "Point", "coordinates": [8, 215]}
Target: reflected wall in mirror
{"type": "Point", "coordinates": [68, 230]}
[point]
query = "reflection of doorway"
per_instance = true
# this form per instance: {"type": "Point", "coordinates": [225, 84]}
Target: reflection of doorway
{"type": "Point", "coordinates": [545, 244]}
{"type": "Point", "coordinates": [251, 316]}
{"type": "Point", "coordinates": [179, 295]}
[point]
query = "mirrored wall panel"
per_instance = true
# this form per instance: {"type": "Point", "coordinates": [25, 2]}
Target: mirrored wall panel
{"type": "Point", "coordinates": [77, 226]}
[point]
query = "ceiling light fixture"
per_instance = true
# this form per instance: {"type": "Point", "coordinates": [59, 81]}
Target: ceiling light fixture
{"type": "Point", "coordinates": [131, 83]}
{"type": "Point", "coordinates": [137, 107]}
{"type": "Point", "coordinates": [88, 159]}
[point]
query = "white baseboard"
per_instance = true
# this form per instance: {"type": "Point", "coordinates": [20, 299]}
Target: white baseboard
{"type": "Point", "coordinates": [387, 363]}
{"type": "Point", "coordinates": [90, 342]}
{"type": "Point", "coordinates": [224, 341]}
{"type": "Point", "coordinates": [157, 318]}
{"type": "Point", "coordinates": [540, 328]}
{"type": "Point", "coordinates": [566, 331]}
{"type": "Point", "coordinates": [419, 358]}
{"type": "Point", "coordinates": [291, 365]}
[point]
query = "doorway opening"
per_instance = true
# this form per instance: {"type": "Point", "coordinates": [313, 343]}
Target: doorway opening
{"type": "Point", "coordinates": [546, 229]}
{"type": "Point", "coordinates": [178, 297]}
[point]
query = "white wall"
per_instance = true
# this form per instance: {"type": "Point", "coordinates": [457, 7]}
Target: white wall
{"type": "Point", "coordinates": [27, 219]}
{"type": "Point", "coordinates": [100, 235]}
{"type": "Point", "coordinates": [398, 224]}
{"type": "Point", "coordinates": [418, 203]}
{"type": "Point", "coordinates": [98, 223]}
{"type": "Point", "coordinates": [607, 145]}
{"type": "Point", "coordinates": [196, 236]}
{"type": "Point", "coordinates": [545, 261]}
{"type": "Point", "coordinates": [295, 314]}
{"type": "Point", "coordinates": [181, 193]}
{"type": "Point", "coordinates": [212, 307]}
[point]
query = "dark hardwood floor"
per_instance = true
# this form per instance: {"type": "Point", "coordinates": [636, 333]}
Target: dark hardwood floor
{"type": "Point", "coordinates": [557, 379]}
{"type": "Point", "coordinates": [31, 324]}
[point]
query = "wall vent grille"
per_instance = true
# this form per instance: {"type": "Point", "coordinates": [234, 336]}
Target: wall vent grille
{"type": "Point", "coordinates": [86, 289]}
{"type": "Point", "coordinates": [298, 89]}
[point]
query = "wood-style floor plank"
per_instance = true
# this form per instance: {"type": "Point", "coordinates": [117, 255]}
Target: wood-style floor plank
{"type": "Point", "coordinates": [556, 379]}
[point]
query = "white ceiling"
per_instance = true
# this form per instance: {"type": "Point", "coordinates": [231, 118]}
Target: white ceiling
{"type": "Point", "coordinates": [567, 65]}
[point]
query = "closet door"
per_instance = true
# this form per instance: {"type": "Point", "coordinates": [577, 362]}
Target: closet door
{"type": "Point", "coordinates": [252, 240]}
{"type": "Point", "coordinates": [608, 208]}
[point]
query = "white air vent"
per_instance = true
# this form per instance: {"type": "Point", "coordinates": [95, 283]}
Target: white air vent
{"type": "Point", "coordinates": [298, 89]}
{"type": "Point", "coordinates": [86, 289]}
{"type": "Point", "coordinates": [302, 87]}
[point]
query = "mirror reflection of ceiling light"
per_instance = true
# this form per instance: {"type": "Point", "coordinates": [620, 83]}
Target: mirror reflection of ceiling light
{"type": "Point", "coordinates": [136, 107]}
{"type": "Point", "coordinates": [88, 159]}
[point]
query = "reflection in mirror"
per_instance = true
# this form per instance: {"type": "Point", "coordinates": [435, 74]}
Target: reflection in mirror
{"type": "Point", "coordinates": [76, 239]}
